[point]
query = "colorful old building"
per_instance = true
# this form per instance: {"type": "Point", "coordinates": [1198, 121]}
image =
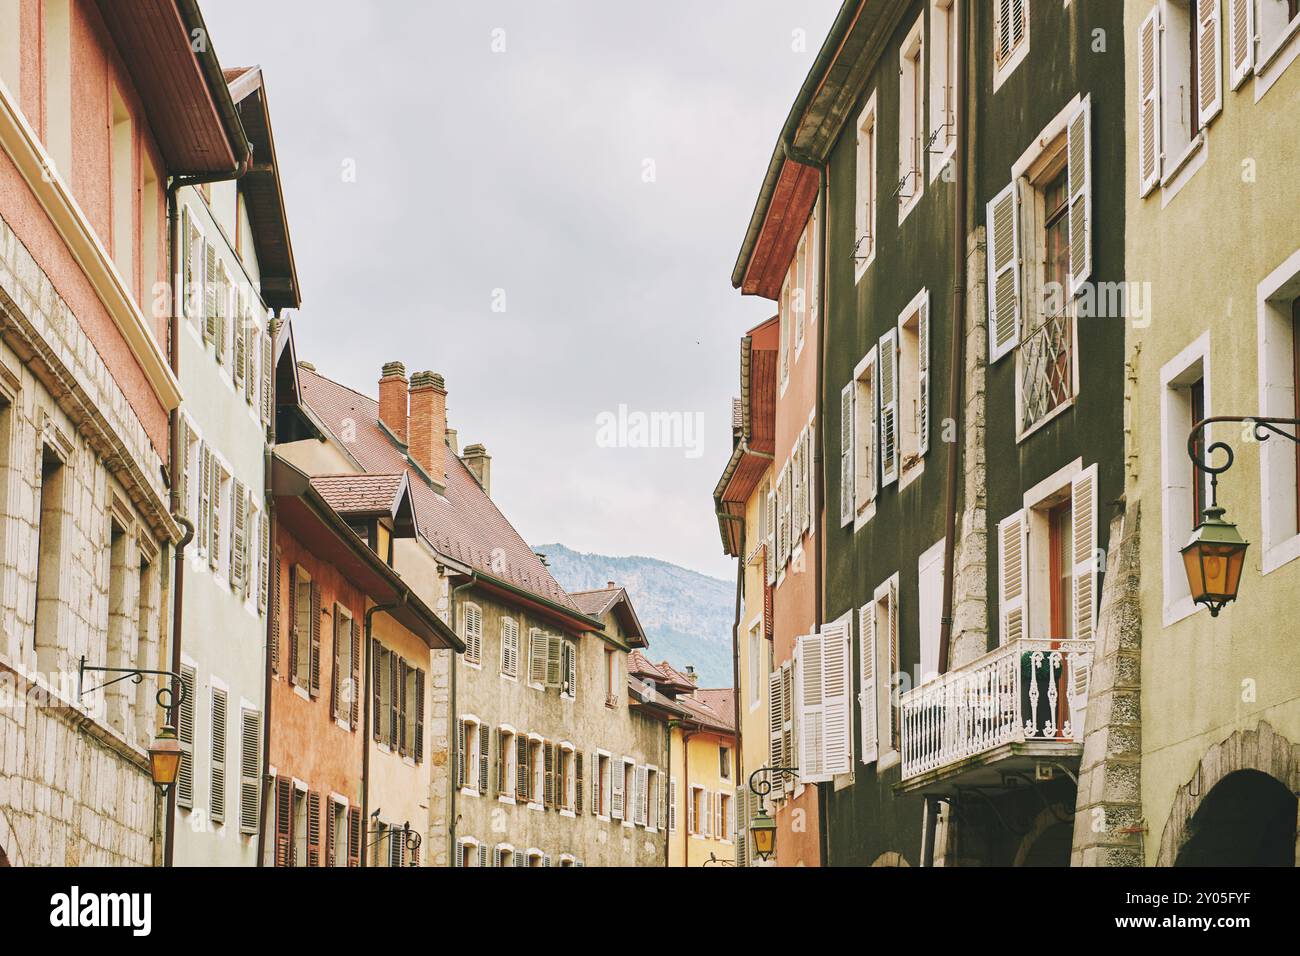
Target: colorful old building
{"type": "Point", "coordinates": [1210, 736]}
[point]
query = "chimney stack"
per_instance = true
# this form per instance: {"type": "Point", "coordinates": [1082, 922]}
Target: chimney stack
{"type": "Point", "coordinates": [690, 673]}
{"type": "Point", "coordinates": [479, 462]}
{"type": "Point", "coordinates": [392, 399]}
{"type": "Point", "coordinates": [427, 430]}
{"type": "Point", "coordinates": [453, 441]}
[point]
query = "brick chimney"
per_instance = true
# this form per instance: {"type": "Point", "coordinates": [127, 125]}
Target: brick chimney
{"type": "Point", "coordinates": [479, 462]}
{"type": "Point", "coordinates": [453, 441]}
{"type": "Point", "coordinates": [392, 399]}
{"type": "Point", "coordinates": [427, 432]}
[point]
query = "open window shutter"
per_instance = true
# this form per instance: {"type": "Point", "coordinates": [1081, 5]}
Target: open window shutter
{"type": "Point", "coordinates": [283, 821]}
{"type": "Point", "coordinates": [214, 515]}
{"type": "Point", "coordinates": [268, 379]}
{"type": "Point", "coordinates": [889, 407]}
{"type": "Point", "coordinates": [250, 354]}
{"type": "Point", "coordinates": [239, 365]}
{"type": "Point", "coordinates": [782, 518]}
{"type": "Point", "coordinates": [548, 775]}
{"type": "Point", "coordinates": [837, 678]}
{"type": "Point", "coordinates": [1150, 155]}
{"type": "Point", "coordinates": [571, 669]}
{"type": "Point", "coordinates": [459, 859]}
{"type": "Point", "coordinates": [264, 577]}
{"type": "Point", "coordinates": [690, 812]}
{"type": "Point", "coordinates": [923, 376]}
{"type": "Point", "coordinates": [354, 635]}
{"type": "Point", "coordinates": [220, 726]}
{"type": "Point", "coordinates": [239, 538]}
{"type": "Point", "coordinates": [473, 634]}
{"type": "Point", "coordinates": [616, 768]}
{"type": "Point", "coordinates": [205, 490]}
{"type": "Point", "coordinates": [577, 781]}
{"type": "Point", "coordinates": [1209, 60]}
{"type": "Point", "coordinates": [181, 469]}
{"type": "Point", "coordinates": [719, 817]}
{"type": "Point", "coordinates": [376, 687]}
{"type": "Point", "coordinates": [846, 453]}
{"type": "Point", "coordinates": [521, 768]}
{"type": "Point", "coordinates": [811, 715]}
{"type": "Point", "coordinates": [595, 783]}
{"type": "Point", "coordinates": [1079, 160]}
{"type": "Point", "coordinates": [891, 709]}
{"type": "Point", "coordinates": [1241, 33]}
{"type": "Point", "coordinates": [789, 727]}
{"type": "Point", "coordinates": [554, 664]}
{"type": "Point", "coordinates": [418, 742]}
{"type": "Point", "coordinates": [775, 715]}
{"type": "Point", "coordinates": [519, 858]}
{"type": "Point", "coordinates": [394, 700]}
{"type": "Point", "coordinates": [642, 795]}
{"type": "Point", "coordinates": [810, 481]}
{"type": "Point", "coordinates": [185, 732]}
{"type": "Point", "coordinates": [1012, 580]}
{"type": "Point", "coordinates": [509, 647]}
{"type": "Point", "coordinates": [867, 680]}
{"type": "Point", "coordinates": [537, 651]}
{"type": "Point", "coordinates": [354, 836]}
{"type": "Point", "coordinates": [210, 280]}
{"type": "Point", "coordinates": [313, 829]}
{"type": "Point", "coordinates": [250, 770]}
{"type": "Point", "coordinates": [223, 310]}
{"type": "Point", "coordinates": [770, 556]}
{"type": "Point", "coordinates": [484, 752]}
{"type": "Point", "coordinates": [293, 623]}
{"type": "Point", "coordinates": [1003, 224]}
{"type": "Point", "coordinates": [1083, 495]}
{"type": "Point", "coordinates": [482, 854]}
{"type": "Point", "coordinates": [315, 638]}
{"type": "Point", "coordinates": [399, 693]}
{"type": "Point", "coordinates": [672, 804]}
{"type": "Point", "coordinates": [329, 833]}
{"type": "Point", "coordinates": [462, 755]}
{"type": "Point", "coordinates": [868, 467]}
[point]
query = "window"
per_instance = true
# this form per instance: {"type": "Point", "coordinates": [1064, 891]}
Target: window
{"type": "Point", "coordinates": [505, 855]}
{"type": "Point", "coordinates": [864, 243]}
{"type": "Point", "coordinates": [1010, 37]}
{"type": "Point", "coordinates": [122, 174]}
{"type": "Point", "coordinates": [724, 763]}
{"type": "Point", "coordinates": [859, 424]}
{"type": "Point", "coordinates": [536, 771]}
{"type": "Point", "coordinates": [472, 634]}
{"type": "Point", "coordinates": [507, 761]}
{"type": "Point", "coordinates": [566, 779]}
{"type": "Point", "coordinates": [346, 644]}
{"type": "Point", "coordinates": [304, 643]}
{"type": "Point", "coordinates": [942, 140]}
{"type": "Point", "coordinates": [911, 120]}
{"type": "Point", "coordinates": [1040, 258]}
{"type": "Point", "coordinates": [782, 742]}
{"type": "Point", "coordinates": [118, 627]}
{"type": "Point", "coordinates": [337, 837]}
{"type": "Point", "coordinates": [628, 780]}
{"type": "Point", "coordinates": [602, 786]}
{"type": "Point", "coordinates": [725, 823]}
{"type": "Point", "coordinates": [299, 824]}
{"type": "Point", "coordinates": [755, 654]}
{"type": "Point", "coordinates": [1277, 22]}
{"type": "Point", "coordinates": [929, 577]}
{"type": "Point", "coordinates": [473, 745]}
{"type": "Point", "coordinates": [1180, 69]}
{"type": "Point", "coordinates": [49, 548]}
{"type": "Point", "coordinates": [1184, 398]}
{"type": "Point", "coordinates": [194, 258]}
{"type": "Point", "coordinates": [545, 663]}
{"type": "Point", "coordinates": [878, 663]}
{"type": "Point", "coordinates": [824, 715]}
{"type": "Point", "coordinates": [698, 812]}
{"type": "Point", "coordinates": [1047, 560]}
{"type": "Point", "coordinates": [611, 677]}
{"type": "Point", "coordinates": [653, 813]}
{"type": "Point", "coordinates": [1278, 343]}
{"type": "Point", "coordinates": [510, 648]}
{"type": "Point", "coordinates": [912, 390]}
{"type": "Point", "coordinates": [569, 670]}
{"type": "Point", "coordinates": [219, 718]}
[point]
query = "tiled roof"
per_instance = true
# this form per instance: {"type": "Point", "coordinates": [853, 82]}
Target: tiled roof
{"type": "Point", "coordinates": [462, 522]}
{"type": "Point", "coordinates": [720, 700]}
{"type": "Point", "coordinates": [595, 603]}
{"type": "Point", "coordinates": [674, 675]}
{"type": "Point", "coordinates": [638, 664]}
{"type": "Point", "coordinates": [359, 494]}
{"type": "Point", "coordinates": [704, 713]}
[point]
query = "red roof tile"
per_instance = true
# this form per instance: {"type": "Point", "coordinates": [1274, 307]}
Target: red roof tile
{"type": "Point", "coordinates": [462, 522]}
{"type": "Point", "coordinates": [359, 494]}
{"type": "Point", "coordinates": [595, 603]}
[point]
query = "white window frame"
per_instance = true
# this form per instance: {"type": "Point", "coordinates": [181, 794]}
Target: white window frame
{"type": "Point", "coordinates": [929, 571]}
{"type": "Point", "coordinates": [866, 190]}
{"type": "Point", "coordinates": [1274, 52]}
{"type": "Point", "coordinates": [536, 772]}
{"type": "Point", "coordinates": [942, 86]}
{"type": "Point", "coordinates": [1277, 486]}
{"type": "Point", "coordinates": [472, 754]}
{"type": "Point", "coordinates": [1177, 472]}
{"type": "Point", "coordinates": [866, 427]}
{"type": "Point", "coordinates": [509, 756]}
{"type": "Point", "coordinates": [910, 386]}
{"type": "Point", "coordinates": [887, 755]}
{"type": "Point", "coordinates": [506, 673]}
{"type": "Point", "coordinates": [1017, 51]}
{"type": "Point", "coordinates": [912, 83]}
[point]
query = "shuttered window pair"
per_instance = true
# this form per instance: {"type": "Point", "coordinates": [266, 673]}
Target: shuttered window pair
{"type": "Point", "coordinates": [192, 293]}
{"type": "Point", "coordinates": [825, 720]}
{"type": "Point", "coordinates": [473, 752]}
{"type": "Point", "coordinates": [545, 659]}
{"type": "Point", "coordinates": [1016, 582]}
{"type": "Point", "coordinates": [345, 693]}
{"type": "Point", "coordinates": [1010, 29]}
{"type": "Point", "coordinates": [781, 724]}
{"type": "Point", "coordinates": [859, 439]}
{"type": "Point", "coordinates": [297, 824]}
{"type": "Point", "coordinates": [1007, 253]}
{"type": "Point", "coordinates": [398, 703]}
{"type": "Point", "coordinates": [878, 661]}
{"type": "Point", "coordinates": [304, 633]}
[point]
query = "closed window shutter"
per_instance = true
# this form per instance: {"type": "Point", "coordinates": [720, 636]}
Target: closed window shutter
{"type": "Point", "coordinates": [775, 711]}
{"type": "Point", "coordinates": [315, 639]}
{"type": "Point", "coordinates": [473, 634]}
{"type": "Point", "coordinates": [354, 836]}
{"type": "Point", "coordinates": [577, 782]}
{"type": "Point", "coordinates": [690, 811]}
{"type": "Point", "coordinates": [1241, 33]}
{"type": "Point", "coordinates": [867, 680]}
{"type": "Point", "coordinates": [1079, 153]}
{"type": "Point", "coordinates": [1083, 497]}
{"type": "Point", "coordinates": [355, 695]}
{"type": "Point", "coordinates": [888, 360]}
{"type": "Point", "coordinates": [570, 669]}
{"type": "Point", "coordinates": [521, 768]}
{"type": "Point", "coordinates": [672, 804]}
{"type": "Point", "coordinates": [274, 611]}
{"type": "Point", "coordinates": [616, 769]}
{"type": "Point", "coordinates": [1002, 220]}
{"type": "Point", "coordinates": [185, 732]}
{"type": "Point", "coordinates": [462, 755]}
{"type": "Point", "coordinates": [537, 650]}
{"type": "Point", "coordinates": [554, 663]}
{"type": "Point", "coordinates": [283, 821]}
{"type": "Point", "coordinates": [205, 490]}
{"type": "Point", "coordinates": [313, 829]}
{"type": "Point", "coordinates": [214, 515]}
{"type": "Point", "coordinates": [1209, 60]}
{"type": "Point", "coordinates": [923, 376]}
{"type": "Point", "coordinates": [419, 716]}
{"type": "Point", "coordinates": [1012, 581]}
{"type": "Point", "coordinates": [846, 453]}
{"type": "Point", "coordinates": [484, 753]}
{"type": "Point", "coordinates": [250, 770]}
{"type": "Point", "coordinates": [217, 808]}
{"type": "Point", "coordinates": [268, 379]}
{"type": "Point", "coordinates": [1150, 154]}
{"type": "Point", "coordinates": [509, 647]}
{"type": "Point", "coordinates": [549, 795]}
{"type": "Point", "coordinates": [811, 711]}
{"type": "Point", "coordinates": [770, 555]}
{"type": "Point", "coordinates": [329, 832]}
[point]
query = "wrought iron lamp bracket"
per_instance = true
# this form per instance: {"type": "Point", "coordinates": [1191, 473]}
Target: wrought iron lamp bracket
{"type": "Point", "coordinates": [168, 697]}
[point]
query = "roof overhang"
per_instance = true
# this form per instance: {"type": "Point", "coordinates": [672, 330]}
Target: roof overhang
{"type": "Point", "coordinates": [302, 512]}
{"type": "Point", "coordinates": [753, 452]}
{"type": "Point", "coordinates": [168, 51]}
{"type": "Point", "coordinates": [568, 620]}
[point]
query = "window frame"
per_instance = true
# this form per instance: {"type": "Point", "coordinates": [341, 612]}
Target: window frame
{"type": "Point", "coordinates": [912, 119]}
{"type": "Point", "coordinates": [1017, 50]}
{"type": "Point", "coordinates": [1278, 365]}
{"type": "Point", "coordinates": [866, 207]}
{"type": "Point", "coordinates": [1177, 471]}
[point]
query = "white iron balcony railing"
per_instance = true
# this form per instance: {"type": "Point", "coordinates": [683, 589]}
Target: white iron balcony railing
{"type": "Point", "coordinates": [1046, 369]}
{"type": "Point", "coordinates": [1025, 691]}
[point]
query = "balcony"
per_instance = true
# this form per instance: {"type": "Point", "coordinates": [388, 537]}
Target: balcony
{"type": "Point", "coordinates": [1009, 711]}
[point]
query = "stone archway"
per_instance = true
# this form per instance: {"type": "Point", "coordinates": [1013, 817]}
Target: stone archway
{"type": "Point", "coordinates": [1049, 839]}
{"type": "Point", "coordinates": [9, 852]}
{"type": "Point", "coordinates": [891, 858]}
{"type": "Point", "coordinates": [1261, 751]}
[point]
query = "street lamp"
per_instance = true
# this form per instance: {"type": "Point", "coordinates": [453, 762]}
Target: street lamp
{"type": "Point", "coordinates": [165, 758]}
{"type": "Point", "coordinates": [165, 751]}
{"type": "Point", "coordinates": [763, 828]}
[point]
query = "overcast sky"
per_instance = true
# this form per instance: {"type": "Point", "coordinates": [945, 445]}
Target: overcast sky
{"type": "Point", "coordinates": [595, 177]}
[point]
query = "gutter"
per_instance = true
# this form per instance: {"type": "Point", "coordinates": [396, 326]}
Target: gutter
{"type": "Point", "coordinates": [957, 356]}
{"type": "Point", "coordinates": [735, 650]}
{"type": "Point", "coordinates": [192, 17]}
{"type": "Point", "coordinates": [452, 789]}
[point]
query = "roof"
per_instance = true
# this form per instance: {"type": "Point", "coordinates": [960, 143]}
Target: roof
{"type": "Point", "coordinates": [640, 665]}
{"type": "Point", "coordinates": [720, 700]}
{"type": "Point", "coordinates": [699, 710]}
{"type": "Point", "coordinates": [367, 494]}
{"type": "Point", "coordinates": [461, 523]}
{"type": "Point", "coordinates": [261, 188]}
{"type": "Point", "coordinates": [599, 602]}
{"type": "Point", "coordinates": [751, 456]}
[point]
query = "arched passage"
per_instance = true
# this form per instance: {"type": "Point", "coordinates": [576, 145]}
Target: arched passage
{"type": "Point", "coordinates": [1248, 819]}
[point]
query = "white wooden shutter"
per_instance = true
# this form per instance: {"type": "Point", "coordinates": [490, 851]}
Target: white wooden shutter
{"type": "Point", "coordinates": [509, 647]}
{"type": "Point", "coordinates": [617, 772]}
{"type": "Point", "coordinates": [217, 801]}
{"type": "Point", "coordinates": [1241, 45]}
{"type": "Point", "coordinates": [867, 680]}
{"type": "Point", "coordinates": [459, 859]}
{"type": "Point", "coordinates": [201, 539]}
{"type": "Point", "coordinates": [1079, 160]}
{"type": "Point", "coordinates": [672, 804]}
{"type": "Point", "coordinates": [775, 718]}
{"type": "Point", "coordinates": [537, 650]}
{"type": "Point", "coordinates": [847, 467]}
{"type": "Point", "coordinates": [690, 811]}
{"type": "Point", "coordinates": [473, 634]}
{"type": "Point", "coordinates": [642, 795]}
{"type": "Point", "coordinates": [810, 500]}
{"type": "Point", "coordinates": [783, 517]}
{"type": "Point", "coordinates": [1002, 220]}
{"type": "Point", "coordinates": [185, 733]}
{"type": "Point", "coordinates": [811, 709]}
{"type": "Point", "coordinates": [889, 407]}
{"type": "Point", "coordinates": [268, 379]}
{"type": "Point", "coordinates": [796, 490]}
{"type": "Point", "coordinates": [837, 678]}
{"type": "Point", "coordinates": [789, 726]}
{"type": "Point", "coordinates": [923, 376]}
{"type": "Point", "coordinates": [484, 755]}
{"type": "Point", "coordinates": [1150, 154]}
{"type": "Point", "coordinates": [1083, 504]}
{"type": "Point", "coordinates": [1209, 60]}
{"type": "Point", "coordinates": [554, 660]}
{"type": "Point", "coordinates": [250, 770]}
{"type": "Point", "coordinates": [519, 858]}
{"type": "Point", "coordinates": [891, 637]}
{"type": "Point", "coordinates": [1013, 583]}
{"type": "Point", "coordinates": [771, 538]}
{"type": "Point", "coordinates": [239, 538]}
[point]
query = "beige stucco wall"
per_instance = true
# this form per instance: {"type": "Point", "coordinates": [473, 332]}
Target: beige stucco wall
{"type": "Point", "coordinates": [696, 763]}
{"type": "Point", "coordinates": [754, 729]}
{"type": "Point", "coordinates": [1204, 250]}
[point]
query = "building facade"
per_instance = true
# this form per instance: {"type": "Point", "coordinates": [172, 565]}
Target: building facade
{"type": "Point", "coordinates": [89, 139]}
{"type": "Point", "coordinates": [1216, 737]}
